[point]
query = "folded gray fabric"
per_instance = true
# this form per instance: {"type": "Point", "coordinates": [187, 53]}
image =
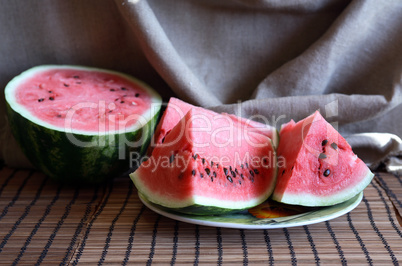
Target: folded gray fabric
{"type": "Point", "coordinates": [265, 59]}
{"type": "Point", "coordinates": [379, 150]}
{"type": "Point", "coordinates": [282, 60]}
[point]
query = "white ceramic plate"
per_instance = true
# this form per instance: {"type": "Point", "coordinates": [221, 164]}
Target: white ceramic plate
{"type": "Point", "coordinates": [261, 217]}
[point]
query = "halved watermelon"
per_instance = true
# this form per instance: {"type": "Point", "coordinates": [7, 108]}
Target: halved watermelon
{"type": "Point", "coordinates": [79, 124]}
{"type": "Point", "coordinates": [320, 167]}
{"type": "Point", "coordinates": [176, 109]}
{"type": "Point", "coordinates": [208, 163]}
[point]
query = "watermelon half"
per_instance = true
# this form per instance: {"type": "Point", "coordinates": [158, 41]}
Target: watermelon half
{"type": "Point", "coordinates": [319, 168]}
{"type": "Point", "coordinates": [208, 163]}
{"type": "Point", "coordinates": [80, 124]}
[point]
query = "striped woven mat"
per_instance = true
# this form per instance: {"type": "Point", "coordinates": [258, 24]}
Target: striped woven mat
{"type": "Point", "coordinates": [45, 222]}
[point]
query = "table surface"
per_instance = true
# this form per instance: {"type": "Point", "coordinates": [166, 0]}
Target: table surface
{"type": "Point", "coordinates": [43, 222]}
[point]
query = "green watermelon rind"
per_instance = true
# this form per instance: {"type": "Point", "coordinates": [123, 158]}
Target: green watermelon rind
{"type": "Point", "coordinates": [309, 199]}
{"type": "Point", "coordinates": [275, 138]}
{"type": "Point", "coordinates": [51, 149]}
{"type": "Point", "coordinates": [196, 209]}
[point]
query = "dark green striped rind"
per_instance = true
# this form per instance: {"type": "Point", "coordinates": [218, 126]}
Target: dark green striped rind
{"type": "Point", "coordinates": [202, 210]}
{"type": "Point", "coordinates": [95, 159]}
{"type": "Point", "coordinates": [196, 209]}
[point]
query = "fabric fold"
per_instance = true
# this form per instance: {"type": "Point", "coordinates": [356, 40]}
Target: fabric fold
{"type": "Point", "coordinates": [376, 149]}
{"type": "Point", "coordinates": [161, 53]}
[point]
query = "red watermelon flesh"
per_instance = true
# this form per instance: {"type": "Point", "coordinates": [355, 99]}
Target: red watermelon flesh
{"type": "Point", "coordinates": [320, 167]}
{"type": "Point", "coordinates": [176, 109]}
{"type": "Point", "coordinates": [84, 100]}
{"type": "Point", "coordinates": [208, 161]}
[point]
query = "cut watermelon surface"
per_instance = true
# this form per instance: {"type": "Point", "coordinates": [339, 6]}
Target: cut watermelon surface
{"type": "Point", "coordinates": [82, 100]}
{"type": "Point", "coordinates": [207, 163]}
{"type": "Point", "coordinates": [176, 109]}
{"type": "Point", "coordinates": [320, 167]}
{"type": "Point", "coordinates": [79, 124]}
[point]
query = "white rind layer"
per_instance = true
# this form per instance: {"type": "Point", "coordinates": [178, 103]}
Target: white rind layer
{"type": "Point", "coordinates": [308, 199]}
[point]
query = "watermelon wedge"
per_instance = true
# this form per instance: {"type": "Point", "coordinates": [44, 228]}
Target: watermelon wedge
{"type": "Point", "coordinates": [208, 163]}
{"type": "Point", "coordinates": [80, 124]}
{"type": "Point", "coordinates": [320, 167]}
{"type": "Point", "coordinates": [176, 109]}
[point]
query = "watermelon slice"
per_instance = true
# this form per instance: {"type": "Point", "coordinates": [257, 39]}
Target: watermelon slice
{"type": "Point", "coordinates": [208, 163]}
{"type": "Point", "coordinates": [79, 124]}
{"type": "Point", "coordinates": [320, 167]}
{"type": "Point", "coordinates": [176, 109]}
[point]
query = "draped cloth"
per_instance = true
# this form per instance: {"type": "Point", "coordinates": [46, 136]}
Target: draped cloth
{"type": "Point", "coordinates": [271, 60]}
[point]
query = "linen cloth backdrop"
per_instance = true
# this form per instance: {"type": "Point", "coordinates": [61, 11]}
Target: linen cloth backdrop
{"type": "Point", "coordinates": [274, 60]}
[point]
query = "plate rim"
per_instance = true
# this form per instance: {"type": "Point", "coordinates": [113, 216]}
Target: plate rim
{"type": "Point", "coordinates": [354, 202]}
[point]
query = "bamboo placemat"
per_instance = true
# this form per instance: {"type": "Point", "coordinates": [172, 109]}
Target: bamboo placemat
{"type": "Point", "coordinates": [44, 222]}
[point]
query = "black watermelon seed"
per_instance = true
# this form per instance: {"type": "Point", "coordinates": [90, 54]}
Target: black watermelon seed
{"type": "Point", "coordinates": [239, 182]}
{"type": "Point", "coordinates": [212, 164]}
{"type": "Point", "coordinates": [242, 176]}
{"type": "Point", "coordinates": [251, 172]}
{"type": "Point", "coordinates": [41, 100]}
{"type": "Point", "coordinates": [76, 77]}
{"type": "Point", "coordinates": [201, 175]}
{"type": "Point", "coordinates": [121, 101]}
{"type": "Point", "coordinates": [217, 165]}
{"type": "Point", "coordinates": [283, 172]}
{"type": "Point", "coordinates": [59, 115]}
{"type": "Point", "coordinates": [256, 171]}
{"type": "Point", "coordinates": [203, 161]}
{"type": "Point", "coordinates": [171, 159]}
{"type": "Point", "coordinates": [123, 89]}
{"type": "Point", "coordinates": [233, 173]}
{"type": "Point", "coordinates": [116, 99]}
{"type": "Point", "coordinates": [50, 91]}
{"type": "Point", "coordinates": [51, 98]}
{"type": "Point", "coordinates": [252, 180]}
{"type": "Point", "coordinates": [324, 142]}
{"type": "Point", "coordinates": [327, 172]}
{"type": "Point", "coordinates": [225, 170]}
{"type": "Point", "coordinates": [334, 146]}
{"type": "Point", "coordinates": [195, 156]}
{"type": "Point", "coordinates": [229, 178]}
{"type": "Point", "coordinates": [322, 156]}
{"type": "Point", "coordinates": [66, 85]}
{"type": "Point", "coordinates": [246, 165]}
{"type": "Point", "coordinates": [137, 94]}
{"type": "Point", "coordinates": [193, 172]}
{"type": "Point", "coordinates": [237, 172]}
{"type": "Point", "coordinates": [230, 168]}
{"type": "Point", "coordinates": [207, 171]}
{"type": "Point", "coordinates": [212, 179]}
{"type": "Point", "coordinates": [163, 139]}
{"type": "Point", "coordinates": [112, 90]}
{"type": "Point", "coordinates": [214, 174]}
{"type": "Point", "coordinates": [242, 166]}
